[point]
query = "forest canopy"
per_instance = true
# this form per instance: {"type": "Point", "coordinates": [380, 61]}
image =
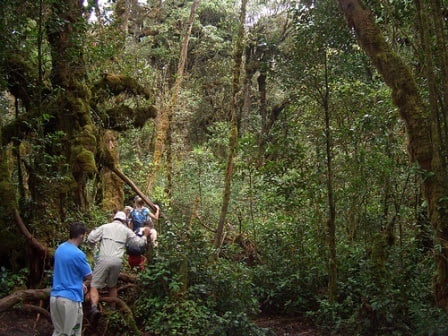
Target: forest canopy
{"type": "Point", "coordinates": [297, 151]}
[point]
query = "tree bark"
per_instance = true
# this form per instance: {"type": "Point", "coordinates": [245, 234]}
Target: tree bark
{"type": "Point", "coordinates": [9, 301]}
{"type": "Point", "coordinates": [70, 107]}
{"type": "Point", "coordinates": [164, 122]}
{"type": "Point", "coordinates": [423, 146]}
{"type": "Point", "coordinates": [134, 187]}
{"type": "Point", "coordinates": [233, 136]}
{"type": "Point", "coordinates": [331, 220]}
{"type": "Point", "coordinates": [35, 244]}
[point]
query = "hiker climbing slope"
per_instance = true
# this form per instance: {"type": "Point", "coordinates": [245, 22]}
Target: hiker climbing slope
{"type": "Point", "coordinates": [140, 214]}
{"type": "Point", "coordinates": [112, 238]}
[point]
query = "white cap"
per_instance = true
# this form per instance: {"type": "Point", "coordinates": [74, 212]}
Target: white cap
{"type": "Point", "coordinates": [120, 215]}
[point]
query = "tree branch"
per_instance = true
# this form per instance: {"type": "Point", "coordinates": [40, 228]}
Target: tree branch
{"type": "Point", "coordinates": [134, 187]}
{"type": "Point", "coordinates": [11, 300]}
{"type": "Point", "coordinates": [43, 250]}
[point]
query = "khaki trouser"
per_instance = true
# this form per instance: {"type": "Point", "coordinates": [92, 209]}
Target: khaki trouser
{"type": "Point", "coordinates": [66, 316]}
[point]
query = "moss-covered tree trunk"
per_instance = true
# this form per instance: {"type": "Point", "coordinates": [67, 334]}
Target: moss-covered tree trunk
{"type": "Point", "coordinates": [112, 195]}
{"type": "Point", "coordinates": [233, 134]}
{"type": "Point", "coordinates": [164, 123]}
{"type": "Point", "coordinates": [66, 32]}
{"type": "Point", "coordinates": [57, 143]}
{"type": "Point", "coordinates": [64, 144]}
{"type": "Point", "coordinates": [424, 146]}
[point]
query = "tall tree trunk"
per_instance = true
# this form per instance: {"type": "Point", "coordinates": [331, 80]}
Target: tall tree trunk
{"type": "Point", "coordinates": [233, 136]}
{"type": "Point", "coordinates": [112, 194]}
{"type": "Point", "coordinates": [424, 144]}
{"type": "Point", "coordinates": [122, 13]}
{"type": "Point", "coordinates": [331, 220]}
{"type": "Point", "coordinates": [166, 112]}
{"type": "Point", "coordinates": [71, 109]}
{"type": "Point", "coordinates": [59, 140]}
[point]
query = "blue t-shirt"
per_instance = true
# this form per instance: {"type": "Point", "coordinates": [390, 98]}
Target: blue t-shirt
{"type": "Point", "coordinates": [70, 269]}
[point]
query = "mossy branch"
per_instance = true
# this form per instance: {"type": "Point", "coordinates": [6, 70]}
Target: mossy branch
{"type": "Point", "coordinates": [113, 85]}
{"type": "Point", "coordinates": [8, 302]}
{"type": "Point", "coordinates": [122, 117]}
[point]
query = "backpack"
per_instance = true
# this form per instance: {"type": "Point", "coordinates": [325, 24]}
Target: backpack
{"type": "Point", "coordinates": [135, 249]}
{"type": "Point", "coordinates": [139, 217]}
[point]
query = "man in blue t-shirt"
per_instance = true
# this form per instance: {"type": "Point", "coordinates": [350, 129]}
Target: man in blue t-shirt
{"type": "Point", "coordinates": [67, 293]}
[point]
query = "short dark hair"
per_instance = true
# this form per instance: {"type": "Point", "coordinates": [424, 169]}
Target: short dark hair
{"type": "Point", "coordinates": [77, 229]}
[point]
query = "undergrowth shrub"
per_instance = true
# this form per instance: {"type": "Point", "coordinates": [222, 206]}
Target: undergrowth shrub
{"type": "Point", "coordinates": [290, 272]}
{"type": "Point", "coordinates": [383, 297]}
{"type": "Point", "coordinates": [10, 281]}
{"type": "Point", "coordinates": [187, 291]}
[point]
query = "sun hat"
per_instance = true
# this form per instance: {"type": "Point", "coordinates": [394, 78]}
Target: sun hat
{"type": "Point", "coordinates": [120, 215]}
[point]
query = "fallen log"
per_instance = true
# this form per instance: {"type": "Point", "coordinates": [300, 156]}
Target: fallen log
{"type": "Point", "coordinates": [16, 301]}
{"type": "Point", "coordinates": [34, 309]}
{"type": "Point", "coordinates": [23, 296]}
{"type": "Point", "coordinates": [31, 295]}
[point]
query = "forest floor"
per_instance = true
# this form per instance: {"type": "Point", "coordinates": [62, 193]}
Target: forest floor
{"type": "Point", "coordinates": [18, 323]}
{"type": "Point", "coordinates": [287, 326]}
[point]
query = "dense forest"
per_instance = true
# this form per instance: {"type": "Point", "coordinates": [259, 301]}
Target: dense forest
{"type": "Point", "coordinates": [297, 151]}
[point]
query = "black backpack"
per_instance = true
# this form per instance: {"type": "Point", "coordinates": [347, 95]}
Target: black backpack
{"type": "Point", "coordinates": [135, 249]}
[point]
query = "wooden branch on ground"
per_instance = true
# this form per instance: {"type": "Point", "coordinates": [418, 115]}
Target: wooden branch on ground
{"type": "Point", "coordinates": [35, 309]}
{"type": "Point", "coordinates": [30, 295]}
{"type": "Point", "coordinates": [118, 303]}
{"type": "Point", "coordinates": [11, 300]}
{"type": "Point", "coordinates": [128, 277]}
{"type": "Point", "coordinates": [125, 287]}
{"type": "Point", "coordinates": [124, 308]}
{"type": "Point", "coordinates": [16, 301]}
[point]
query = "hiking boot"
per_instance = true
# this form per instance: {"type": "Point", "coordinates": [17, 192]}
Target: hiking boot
{"type": "Point", "coordinates": [95, 315]}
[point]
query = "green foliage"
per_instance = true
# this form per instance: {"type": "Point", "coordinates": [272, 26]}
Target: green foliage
{"type": "Point", "coordinates": [185, 292]}
{"type": "Point", "coordinates": [291, 268]}
{"type": "Point", "coordinates": [278, 203]}
{"type": "Point", "coordinates": [394, 300]}
{"type": "Point", "coordinates": [11, 281]}
{"type": "Point", "coordinates": [119, 325]}
{"type": "Point", "coordinates": [199, 178]}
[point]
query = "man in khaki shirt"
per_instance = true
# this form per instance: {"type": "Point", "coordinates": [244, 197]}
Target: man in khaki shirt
{"type": "Point", "coordinates": [112, 238]}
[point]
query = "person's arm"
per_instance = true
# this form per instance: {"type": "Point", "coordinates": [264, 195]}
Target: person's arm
{"type": "Point", "coordinates": [86, 283]}
{"type": "Point", "coordinates": [95, 235]}
{"type": "Point", "coordinates": [155, 216]}
{"type": "Point", "coordinates": [86, 272]}
{"type": "Point", "coordinates": [128, 210]}
{"type": "Point", "coordinates": [153, 237]}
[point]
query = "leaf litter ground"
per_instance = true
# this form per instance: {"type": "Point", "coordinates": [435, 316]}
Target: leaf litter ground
{"type": "Point", "coordinates": [20, 323]}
